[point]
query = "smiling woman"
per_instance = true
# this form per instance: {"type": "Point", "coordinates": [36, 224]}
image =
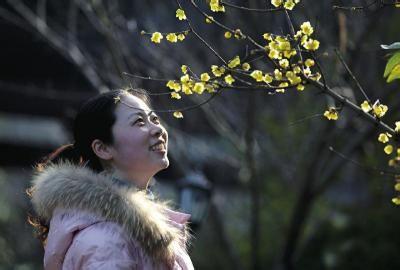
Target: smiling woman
{"type": "Point", "coordinates": [91, 199]}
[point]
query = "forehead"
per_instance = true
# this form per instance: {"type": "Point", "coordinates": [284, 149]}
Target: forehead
{"type": "Point", "coordinates": [130, 104]}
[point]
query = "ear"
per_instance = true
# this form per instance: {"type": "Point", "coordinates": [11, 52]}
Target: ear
{"type": "Point", "coordinates": [101, 150]}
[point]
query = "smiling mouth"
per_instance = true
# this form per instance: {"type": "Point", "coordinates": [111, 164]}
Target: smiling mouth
{"type": "Point", "coordinates": [160, 147]}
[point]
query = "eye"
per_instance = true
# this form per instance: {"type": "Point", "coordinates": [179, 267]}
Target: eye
{"type": "Point", "coordinates": [155, 119]}
{"type": "Point", "coordinates": [139, 121]}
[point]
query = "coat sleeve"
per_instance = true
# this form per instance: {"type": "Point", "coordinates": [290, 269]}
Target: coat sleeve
{"type": "Point", "coordinates": [99, 247]}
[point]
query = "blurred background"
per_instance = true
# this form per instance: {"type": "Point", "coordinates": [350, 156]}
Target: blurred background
{"type": "Point", "coordinates": [255, 170]}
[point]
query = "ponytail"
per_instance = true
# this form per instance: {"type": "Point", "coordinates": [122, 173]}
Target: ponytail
{"type": "Point", "coordinates": [67, 152]}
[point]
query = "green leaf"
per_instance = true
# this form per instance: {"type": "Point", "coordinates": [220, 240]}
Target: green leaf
{"type": "Point", "coordinates": [393, 61]}
{"type": "Point", "coordinates": [395, 74]}
{"type": "Point", "coordinates": [393, 46]}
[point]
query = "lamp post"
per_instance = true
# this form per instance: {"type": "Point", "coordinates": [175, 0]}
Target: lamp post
{"type": "Point", "coordinates": [194, 197]}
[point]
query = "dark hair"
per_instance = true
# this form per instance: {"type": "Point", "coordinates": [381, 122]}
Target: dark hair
{"type": "Point", "coordinates": [94, 120]}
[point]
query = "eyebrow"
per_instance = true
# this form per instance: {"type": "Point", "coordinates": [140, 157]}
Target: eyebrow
{"type": "Point", "coordinates": [141, 114]}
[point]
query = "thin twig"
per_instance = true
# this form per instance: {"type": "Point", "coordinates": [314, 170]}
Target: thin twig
{"type": "Point", "coordinates": [293, 32]}
{"type": "Point", "coordinates": [200, 38]}
{"type": "Point", "coordinates": [339, 55]}
{"type": "Point", "coordinates": [250, 9]}
{"type": "Point", "coordinates": [374, 169]}
{"type": "Point", "coordinates": [187, 108]}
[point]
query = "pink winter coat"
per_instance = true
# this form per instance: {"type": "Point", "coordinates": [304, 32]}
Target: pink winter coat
{"type": "Point", "coordinates": [95, 224]}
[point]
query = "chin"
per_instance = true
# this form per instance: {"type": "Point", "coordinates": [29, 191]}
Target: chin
{"type": "Point", "coordinates": [165, 163]}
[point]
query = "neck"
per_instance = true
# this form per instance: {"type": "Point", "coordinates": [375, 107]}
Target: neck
{"type": "Point", "coordinates": [139, 181]}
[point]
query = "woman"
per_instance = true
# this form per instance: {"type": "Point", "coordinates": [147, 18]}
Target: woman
{"type": "Point", "coordinates": [92, 195]}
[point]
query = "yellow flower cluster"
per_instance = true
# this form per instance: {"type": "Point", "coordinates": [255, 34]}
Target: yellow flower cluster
{"type": "Point", "coordinates": [395, 162]}
{"type": "Point", "coordinates": [188, 84]}
{"type": "Point", "coordinates": [216, 6]}
{"type": "Point", "coordinates": [287, 4]}
{"type": "Point", "coordinates": [331, 114]}
{"type": "Point", "coordinates": [278, 47]}
{"type": "Point", "coordinates": [306, 30]}
{"type": "Point", "coordinates": [156, 37]}
{"type": "Point", "coordinates": [378, 109]}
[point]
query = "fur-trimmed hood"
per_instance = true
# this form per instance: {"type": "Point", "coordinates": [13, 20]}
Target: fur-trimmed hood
{"type": "Point", "coordinates": [67, 186]}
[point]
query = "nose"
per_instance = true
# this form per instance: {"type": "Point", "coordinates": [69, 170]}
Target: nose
{"type": "Point", "coordinates": [158, 130]}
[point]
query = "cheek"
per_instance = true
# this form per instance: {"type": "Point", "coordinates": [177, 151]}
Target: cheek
{"type": "Point", "coordinates": [131, 145]}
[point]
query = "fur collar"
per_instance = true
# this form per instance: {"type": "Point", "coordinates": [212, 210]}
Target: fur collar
{"type": "Point", "coordinates": [71, 187]}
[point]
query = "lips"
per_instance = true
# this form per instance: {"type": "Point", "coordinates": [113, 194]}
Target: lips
{"type": "Point", "coordinates": [158, 147]}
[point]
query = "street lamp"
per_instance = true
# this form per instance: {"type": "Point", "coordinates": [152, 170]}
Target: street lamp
{"type": "Point", "coordinates": [195, 193]}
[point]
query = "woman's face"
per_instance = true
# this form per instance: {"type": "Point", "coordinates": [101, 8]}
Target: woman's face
{"type": "Point", "coordinates": [140, 141]}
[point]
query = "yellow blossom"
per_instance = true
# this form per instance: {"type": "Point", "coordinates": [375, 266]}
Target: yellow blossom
{"type": "Point", "coordinates": [296, 69]}
{"type": "Point", "coordinates": [217, 71]}
{"type": "Point", "coordinates": [246, 66]}
{"type": "Point", "coordinates": [198, 88]}
{"type": "Point", "coordinates": [174, 86]}
{"type": "Point", "coordinates": [365, 106]}
{"type": "Point", "coordinates": [184, 69]}
{"type": "Point", "coordinates": [228, 34]}
{"type": "Point", "coordinates": [298, 34]}
{"type": "Point", "coordinates": [216, 6]}
{"type": "Point", "coordinates": [278, 74]}
{"type": "Point", "coordinates": [267, 78]}
{"type": "Point", "coordinates": [210, 88]}
{"type": "Point", "coordinates": [289, 4]}
{"type": "Point", "coordinates": [283, 43]}
{"type": "Point", "coordinates": [274, 54]}
{"type": "Point", "coordinates": [300, 87]}
{"type": "Point", "coordinates": [303, 39]}
{"type": "Point", "coordinates": [257, 75]}
{"type": "Point", "coordinates": [209, 19]}
{"type": "Point", "coordinates": [383, 137]}
{"type": "Point", "coordinates": [117, 99]}
{"type": "Point", "coordinates": [205, 77]}
{"type": "Point", "coordinates": [175, 95]}
{"type": "Point", "coordinates": [331, 114]}
{"type": "Point", "coordinates": [181, 37]}
{"type": "Point", "coordinates": [283, 84]}
{"type": "Point", "coordinates": [316, 76]}
{"type": "Point", "coordinates": [396, 201]}
{"type": "Point", "coordinates": [388, 149]}
{"type": "Point", "coordinates": [234, 62]}
{"type": "Point", "coordinates": [186, 88]}
{"type": "Point", "coordinates": [229, 79]}
{"type": "Point", "coordinates": [239, 34]}
{"type": "Point", "coordinates": [397, 128]}
{"type": "Point", "coordinates": [289, 53]}
{"type": "Point", "coordinates": [156, 37]}
{"type": "Point", "coordinates": [171, 37]}
{"type": "Point", "coordinates": [185, 78]}
{"type": "Point", "coordinates": [267, 36]}
{"type": "Point", "coordinates": [379, 109]}
{"type": "Point", "coordinates": [276, 3]}
{"type": "Point", "coordinates": [307, 71]}
{"type": "Point", "coordinates": [180, 14]}
{"type": "Point", "coordinates": [284, 63]}
{"type": "Point", "coordinates": [294, 80]}
{"type": "Point", "coordinates": [306, 28]}
{"type": "Point", "coordinates": [311, 44]}
{"type": "Point", "coordinates": [280, 90]}
{"type": "Point", "coordinates": [309, 63]}
{"type": "Point", "coordinates": [178, 114]}
{"type": "Point", "coordinates": [397, 187]}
